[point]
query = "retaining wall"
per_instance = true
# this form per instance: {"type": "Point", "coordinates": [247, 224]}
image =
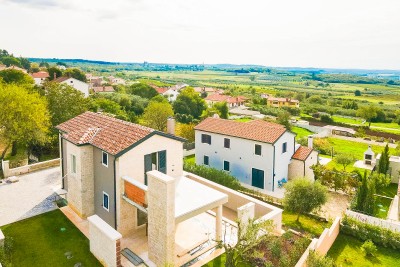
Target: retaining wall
{"type": "Point", "coordinates": [392, 225]}
{"type": "Point", "coordinates": [5, 164]}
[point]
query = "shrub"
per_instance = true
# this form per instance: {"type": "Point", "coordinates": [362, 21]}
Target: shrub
{"type": "Point", "coordinates": [369, 248]}
{"type": "Point", "coordinates": [326, 118]}
{"type": "Point", "coordinates": [316, 260]}
{"type": "Point", "coordinates": [365, 231]}
{"type": "Point", "coordinates": [322, 145]}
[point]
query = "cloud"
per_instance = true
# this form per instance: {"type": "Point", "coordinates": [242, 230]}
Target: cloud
{"type": "Point", "coordinates": [37, 3]}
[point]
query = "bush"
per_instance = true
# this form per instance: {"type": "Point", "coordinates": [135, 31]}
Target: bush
{"type": "Point", "coordinates": [365, 231]}
{"type": "Point", "coordinates": [369, 248]}
{"type": "Point", "coordinates": [6, 251]}
{"type": "Point", "coordinates": [322, 145]}
{"type": "Point", "coordinates": [316, 260]}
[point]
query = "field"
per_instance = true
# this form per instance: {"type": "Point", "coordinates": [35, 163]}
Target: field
{"type": "Point", "coordinates": [346, 251]}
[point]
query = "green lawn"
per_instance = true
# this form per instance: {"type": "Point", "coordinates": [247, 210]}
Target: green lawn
{"type": "Point", "coordinates": [389, 191]}
{"type": "Point", "coordinates": [353, 121]}
{"type": "Point", "coordinates": [243, 119]}
{"type": "Point", "coordinates": [301, 132]}
{"type": "Point", "coordinates": [306, 224]}
{"type": "Point", "coordinates": [346, 251]}
{"type": "Point", "coordinates": [41, 241]}
{"type": "Point", "coordinates": [190, 159]}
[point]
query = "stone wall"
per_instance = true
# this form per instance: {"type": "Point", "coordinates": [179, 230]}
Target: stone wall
{"type": "Point", "coordinates": [104, 242]}
{"type": "Point", "coordinates": [392, 225]}
{"type": "Point", "coordinates": [28, 168]}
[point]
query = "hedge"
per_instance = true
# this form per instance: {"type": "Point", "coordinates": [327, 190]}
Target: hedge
{"type": "Point", "coordinates": [365, 231]}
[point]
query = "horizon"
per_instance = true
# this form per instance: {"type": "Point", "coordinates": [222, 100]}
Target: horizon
{"type": "Point", "coordinates": [329, 35]}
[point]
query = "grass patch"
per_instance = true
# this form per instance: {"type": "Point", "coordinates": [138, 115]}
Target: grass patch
{"type": "Point", "coordinates": [382, 207]}
{"type": "Point", "coordinates": [301, 132]}
{"type": "Point", "coordinates": [190, 159]}
{"type": "Point", "coordinates": [389, 191]}
{"type": "Point", "coordinates": [307, 224]}
{"type": "Point", "coordinates": [346, 251]}
{"type": "Point", "coordinates": [244, 119]}
{"type": "Point", "coordinates": [39, 241]}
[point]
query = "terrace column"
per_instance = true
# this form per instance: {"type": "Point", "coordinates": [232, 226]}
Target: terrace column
{"type": "Point", "coordinates": [218, 223]}
{"type": "Point", "coordinates": [161, 218]}
{"type": "Point", "coordinates": [245, 214]}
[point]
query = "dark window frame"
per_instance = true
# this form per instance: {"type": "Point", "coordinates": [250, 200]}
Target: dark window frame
{"type": "Point", "coordinates": [227, 166]}
{"type": "Point", "coordinates": [227, 143]}
{"type": "Point", "coordinates": [256, 148]}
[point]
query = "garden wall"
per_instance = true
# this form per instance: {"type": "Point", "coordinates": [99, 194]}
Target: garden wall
{"type": "Point", "coordinates": [323, 243]}
{"type": "Point", "coordinates": [5, 164]}
{"type": "Point", "coordinates": [392, 225]}
{"type": "Point", "coordinates": [104, 242]}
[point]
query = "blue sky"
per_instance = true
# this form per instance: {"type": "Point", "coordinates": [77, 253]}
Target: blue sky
{"type": "Point", "coordinates": [308, 33]}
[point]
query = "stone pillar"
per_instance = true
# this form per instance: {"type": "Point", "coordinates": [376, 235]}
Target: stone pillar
{"type": "Point", "coordinates": [246, 213]}
{"type": "Point", "coordinates": [5, 165]}
{"type": "Point", "coordinates": [161, 218]}
{"type": "Point", "coordinates": [218, 223]}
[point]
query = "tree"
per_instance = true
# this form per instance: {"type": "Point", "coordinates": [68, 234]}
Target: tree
{"type": "Point", "coordinates": [16, 77]}
{"type": "Point", "coordinates": [361, 193]}
{"type": "Point", "coordinates": [222, 109]}
{"type": "Point", "coordinates": [11, 61]}
{"type": "Point", "coordinates": [357, 93]}
{"type": "Point", "coordinates": [250, 236]}
{"type": "Point", "coordinates": [368, 113]}
{"type": "Point", "coordinates": [64, 102]}
{"type": "Point", "coordinates": [54, 72]}
{"type": "Point", "coordinates": [108, 106]}
{"type": "Point", "coordinates": [24, 117]}
{"type": "Point", "coordinates": [142, 90]}
{"type": "Point", "coordinates": [383, 164]}
{"type": "Point", "coordinates": [369, 248]}
{"type": "Point", "coordinates": [303, 196]}
{"type": "Point", "coordinates": [284, 119]}
{"type": "Point", "coordinates": [345, 159]}
{"type": "Point", "coordinates": [186, 131]}
{"type": "Point", "coordinates": [156, 115]}
{"type": "Point", "coordinates": [75, 73]}
{"type": "Point", "coordinates": [189, 102]}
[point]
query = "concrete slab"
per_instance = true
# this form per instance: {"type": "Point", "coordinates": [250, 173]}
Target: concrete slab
{"type": "Point", "coordinates": [360, 164]}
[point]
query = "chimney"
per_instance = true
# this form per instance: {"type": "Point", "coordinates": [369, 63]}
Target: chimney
{"type": "Point", "coordinates": [171, 125]}
{"type": "Point", "coordinates": [310, 141]}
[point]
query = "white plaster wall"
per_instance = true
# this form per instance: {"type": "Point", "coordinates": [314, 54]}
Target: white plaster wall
{"type": "Point", "coordinates": [311, 160]}
{"type": "Point", "coordinates": [242, 157]}
{"type": "Point", "coordinates": [78, 85]}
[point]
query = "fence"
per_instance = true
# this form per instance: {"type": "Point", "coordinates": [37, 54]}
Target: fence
{"type": "Point", "coordinates": [7, 171]}
{"type": "Point", "coordinates": [323, 243]}
{"type": "Point", "coordinates": [392, 225]}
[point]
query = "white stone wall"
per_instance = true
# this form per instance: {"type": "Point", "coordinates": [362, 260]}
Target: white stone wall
{"type": "Point", "coordinates": [104, 242]}
{"type": "Point", "coordinates": [80, 194]}
{"type": "Point", "coordinates": [242, 157]}
{"type": "Point", "coordinates": [78, 85]}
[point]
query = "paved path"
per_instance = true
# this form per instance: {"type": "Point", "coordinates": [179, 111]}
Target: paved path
{"type": "Point", "coordinates": [361, 140]}
{"type": "Point", "coordinates": [32, 195]}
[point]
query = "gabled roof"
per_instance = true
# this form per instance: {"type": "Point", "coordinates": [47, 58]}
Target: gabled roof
{"type": "Point", "coordinates": [109, 134]}
{"type": "Point", "coordinates": [302, 153]}
{"type": "Point", "coordinates": [40, 74]}
{"type": "Point", "coordinates": [61, 79]}
{"type": "Point", "coordinates": [98, 89]}
{"type": "Point", "coordinates": [283, 99]}
{"type": "Point", "coordinates": [257, 130]}
{"type": "Point", "coordinates": [226, 98]}
{"type": "Point", "coordinates": [161, 90]}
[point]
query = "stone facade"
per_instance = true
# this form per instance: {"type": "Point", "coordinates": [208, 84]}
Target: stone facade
{"type": "Point", "coordinates": [80, 194]}
{"type": "Point", "coordinates": [104, 242]}
{"type": "Point", "coordinates": [161, 229]}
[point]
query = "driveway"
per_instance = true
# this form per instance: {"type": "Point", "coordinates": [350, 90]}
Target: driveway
{"type": "Point", "coordinates": [32, 195]}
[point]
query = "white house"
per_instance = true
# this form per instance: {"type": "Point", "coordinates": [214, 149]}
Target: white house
{"type": "Point", "coordinates": [257, 153]}
{"type": "Point", "coordinates": [40, 77]}
{"type": "Point", "coordinates": [77, 84]}
{"type": "Point", "coordinates": [169, 92]}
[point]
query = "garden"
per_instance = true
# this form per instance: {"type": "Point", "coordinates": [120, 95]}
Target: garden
{"type": "Point", "coordinates": [49, 239]}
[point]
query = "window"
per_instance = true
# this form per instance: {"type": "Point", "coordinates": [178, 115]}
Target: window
{"type": "Point", "coordinates": [226, 166]}
{"type": "Point", "coordinates": [206, 160]}
{"type": "Point", "coordinates": [227, 142]}
{"type": "Point", "coordinates": [106, 201]}
{"type": "Point", "coordinates": [73, 164]}
{"type": "Point", "coordinates": [206, 139]}
{"type": "Point", "coordinates": [257, 150]}
{"type": "Point", "coordinates": [141, 217]}
{"type": "Point", "coordinates": [284, 147]}
{"type": "Point", "coordinates": [104, 159]}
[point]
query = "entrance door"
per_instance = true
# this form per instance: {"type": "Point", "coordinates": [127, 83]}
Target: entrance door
{"type": "Point", "coordinates": [257, 178]}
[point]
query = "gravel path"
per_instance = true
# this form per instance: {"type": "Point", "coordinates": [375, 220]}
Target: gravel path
{"type": "Point", "coordinates": [32, 195]}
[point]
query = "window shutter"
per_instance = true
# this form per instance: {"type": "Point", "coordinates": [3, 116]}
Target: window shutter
{"type": "Point", "coordinates": [162, 159]}
{"type": "Point", "coordinates": [147, 166]}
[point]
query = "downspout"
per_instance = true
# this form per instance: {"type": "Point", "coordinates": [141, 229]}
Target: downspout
{"type": "Point", "coordinates": [115, 196]}
{"type": "Point", "coordinates": [273, 172]}
{"type": "Point", "coordinates": [62, 161]}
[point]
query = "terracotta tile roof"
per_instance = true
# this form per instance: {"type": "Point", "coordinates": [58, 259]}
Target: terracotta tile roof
{"type": "Point", "coordinates": [257, 130]}
{"type": "Point", "coordinates": [109, 134]}
{"type": "Point", "coordinates": [98, 89]}
{"type": "Point", "coordinates": [283, 99]}
{"type": "Point", "coordinates": [40, 74]}
{"type": "Point", "coordinates": [302, 153]}
{"type": "Point", "coordinates": [227, 98]}
{"type": "Point", "coordinates": [161, 90]}
{"type": "Point", "coordinates": [61, 79]}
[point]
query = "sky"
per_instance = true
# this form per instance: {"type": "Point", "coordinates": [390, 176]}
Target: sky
{"type": "Point", "coordinates": [282, 33]}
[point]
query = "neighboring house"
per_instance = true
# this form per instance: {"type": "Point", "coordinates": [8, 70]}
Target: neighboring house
{"type": "Point", "coordinates": [40, 77]}
{"type": "Point", "coordinates": [278, 102]}
{"type": "Point", "coordinates": [302, 160]}
{"type": "Point", "coordinates": [132, 178]}
{"type": "Point", "coordinates": [337, 130]}
{"type": "Point", "coordinates": [232, 101]}
{"type": "Point", "coordinates": [61, 67]}
{"type": "Point", "coordinates": [179, 86]}
{"type": "Point", "coordinates": [208, 90]}
{"type": "Point", "coordinates": [113, 80]}
{"type": "Point", "coordinates": [257, 152]}
{"type": "Point", "coordinates": [169, 92]}
{"type": "Point", "coordinates": [77, 84]}
{"type": "Point", "coordinates": [103, 89]}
